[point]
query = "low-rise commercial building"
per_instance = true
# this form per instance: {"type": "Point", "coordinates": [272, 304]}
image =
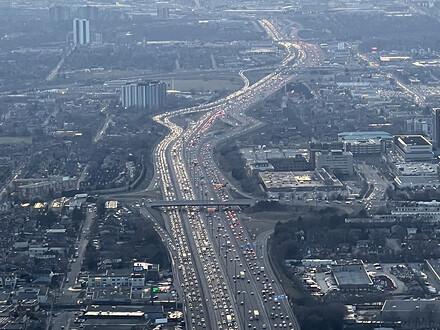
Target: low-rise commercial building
{"type": "Point", "coordinates": [415, 175]}
{"type": "Point", "coordinates": [412, 148]}
{"type": "Point", "coordinates": [352, 276]}
{"type": "Point", "coordinates": [133, 280]}
{"type": "Point", "coordinates": [361, 147]}
{"type": "Point", "coordinates": [426, 310]}
{"type": "Point", "coordinates": [300, 181]}
{"type": "Point", "coordinates": [283, 160]}
{"type": "Point", "coordinates": [364, 136]}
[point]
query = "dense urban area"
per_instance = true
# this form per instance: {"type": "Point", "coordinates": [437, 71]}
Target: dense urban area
{"type": "Point", "coordinates": [202, 164]}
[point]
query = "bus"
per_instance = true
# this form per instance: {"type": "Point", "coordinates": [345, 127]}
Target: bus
{"type": "Point", "coordinates": [242, 275]}
{"type": "Point", "coordinates": [229, 319]}
{"type": "Point", "coordinates": [256, 314]}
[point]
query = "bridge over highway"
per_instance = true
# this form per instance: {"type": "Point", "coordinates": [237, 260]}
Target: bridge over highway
{"type": "Point", "coordinates": [207, 203]}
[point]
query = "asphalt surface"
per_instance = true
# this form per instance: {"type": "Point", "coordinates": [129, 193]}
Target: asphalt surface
{"type": "Point", "coordinates": [208, 258]}
{"type": "Point", "coordinates": [376, 197]}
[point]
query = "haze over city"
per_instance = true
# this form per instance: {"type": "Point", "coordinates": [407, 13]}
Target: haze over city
{"type": "Point", "coordinates": [201, 164]}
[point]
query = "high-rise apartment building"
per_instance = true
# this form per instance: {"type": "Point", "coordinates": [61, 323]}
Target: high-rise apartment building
{"type": "Point", "coordinates": [59, 13]}
{"type": "Point", "coordinates": [435, 127]}
{"type": "Point", "coordinates": [88, 12]}
{"type": "Point", "coordinates": [163, 13]}
{"type": "Point", "coordinates": [81, 31]}
{"type": "Point", "coordinates": [147, 94]}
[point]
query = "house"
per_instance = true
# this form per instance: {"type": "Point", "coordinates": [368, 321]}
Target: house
{"type": "Point", "coordinates": [31, 294]}
{"type": "Point", "coordinates": [43, 276]}
{"type": "Point", "coordinates": [8, 280]}
{"type": "Point", "coordinates": [49, 254]}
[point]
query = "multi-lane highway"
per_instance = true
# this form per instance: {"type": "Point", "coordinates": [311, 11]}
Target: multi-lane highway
{"type": "Point", "coordinates": [226, 283]}
{"type": "Point", "coordinates": [376, 196]}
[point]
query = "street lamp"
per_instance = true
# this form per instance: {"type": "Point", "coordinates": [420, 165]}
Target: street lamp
{"type": "Point", "coordinates": [235, 266]}
{"type": "Point", "coordinates": [244, 309]}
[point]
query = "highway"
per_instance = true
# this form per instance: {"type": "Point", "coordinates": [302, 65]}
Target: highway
{"type": "Point", "coordinates": [223, 283]}
{"type": "Point", "coordinates": [376, 197]}
{"type": "Point", "coordinates": [240, 253]}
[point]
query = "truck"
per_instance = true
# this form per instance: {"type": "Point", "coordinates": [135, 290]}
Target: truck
{"type": "Point", "coordinates": [229, 319]}
{"type": "Point", "coordinates": [242, 275]}
{"type": "Point", "coordinates": [256, 314]}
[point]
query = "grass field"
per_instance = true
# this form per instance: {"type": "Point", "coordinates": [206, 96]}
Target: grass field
{"type": "Point", "coordinates": [15, 139]}
{"type": "Point", "coordinates": [262, 221]}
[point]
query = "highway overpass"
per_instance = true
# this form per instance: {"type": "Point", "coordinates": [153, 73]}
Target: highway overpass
{"type": "Point", "coordinates": [206, 203]}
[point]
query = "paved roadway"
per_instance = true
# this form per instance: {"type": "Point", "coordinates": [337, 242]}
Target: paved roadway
{"type": "Point", "coordinates": [69, 287]}
{"type": "Point", "coordinates": [260, 286]}
{"type": "Point", "coordinates": [376, 198]}
{"type": "Point", "coordinates": [211, 295]}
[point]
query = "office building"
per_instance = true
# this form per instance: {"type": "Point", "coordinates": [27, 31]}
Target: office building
{"type": "Point", "coordinates": [435, 127]}
{"type": "Point", "coordinates": [412, 148]}
{"type": "Point", "coordinates": [371, 147]}
{"type": "Point", "coordinates": [296, 163]}
{"type": "Point", "coordinates": [315, 147]}
{"type": "Point", "coordinates": [335, 161]}
{"type": "Point", "coordinates": [81, 31]}
{"type": "Point", "coordinates": [145, 95]}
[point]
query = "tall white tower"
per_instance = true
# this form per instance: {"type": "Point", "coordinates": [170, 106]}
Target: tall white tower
{"type": "Point", "coordinates": [81, 31]}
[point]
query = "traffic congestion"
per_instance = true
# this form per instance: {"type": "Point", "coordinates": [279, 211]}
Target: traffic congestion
{"type": "Point", "coordinates": [225, 282]}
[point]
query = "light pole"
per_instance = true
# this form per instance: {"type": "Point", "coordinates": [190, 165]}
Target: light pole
{"type": "Point", "coordinates": [235, 266]}
{"type": "Point", "coordinates": [212, 227]}
{"type": "Point", "coordinates": [244, 309]}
